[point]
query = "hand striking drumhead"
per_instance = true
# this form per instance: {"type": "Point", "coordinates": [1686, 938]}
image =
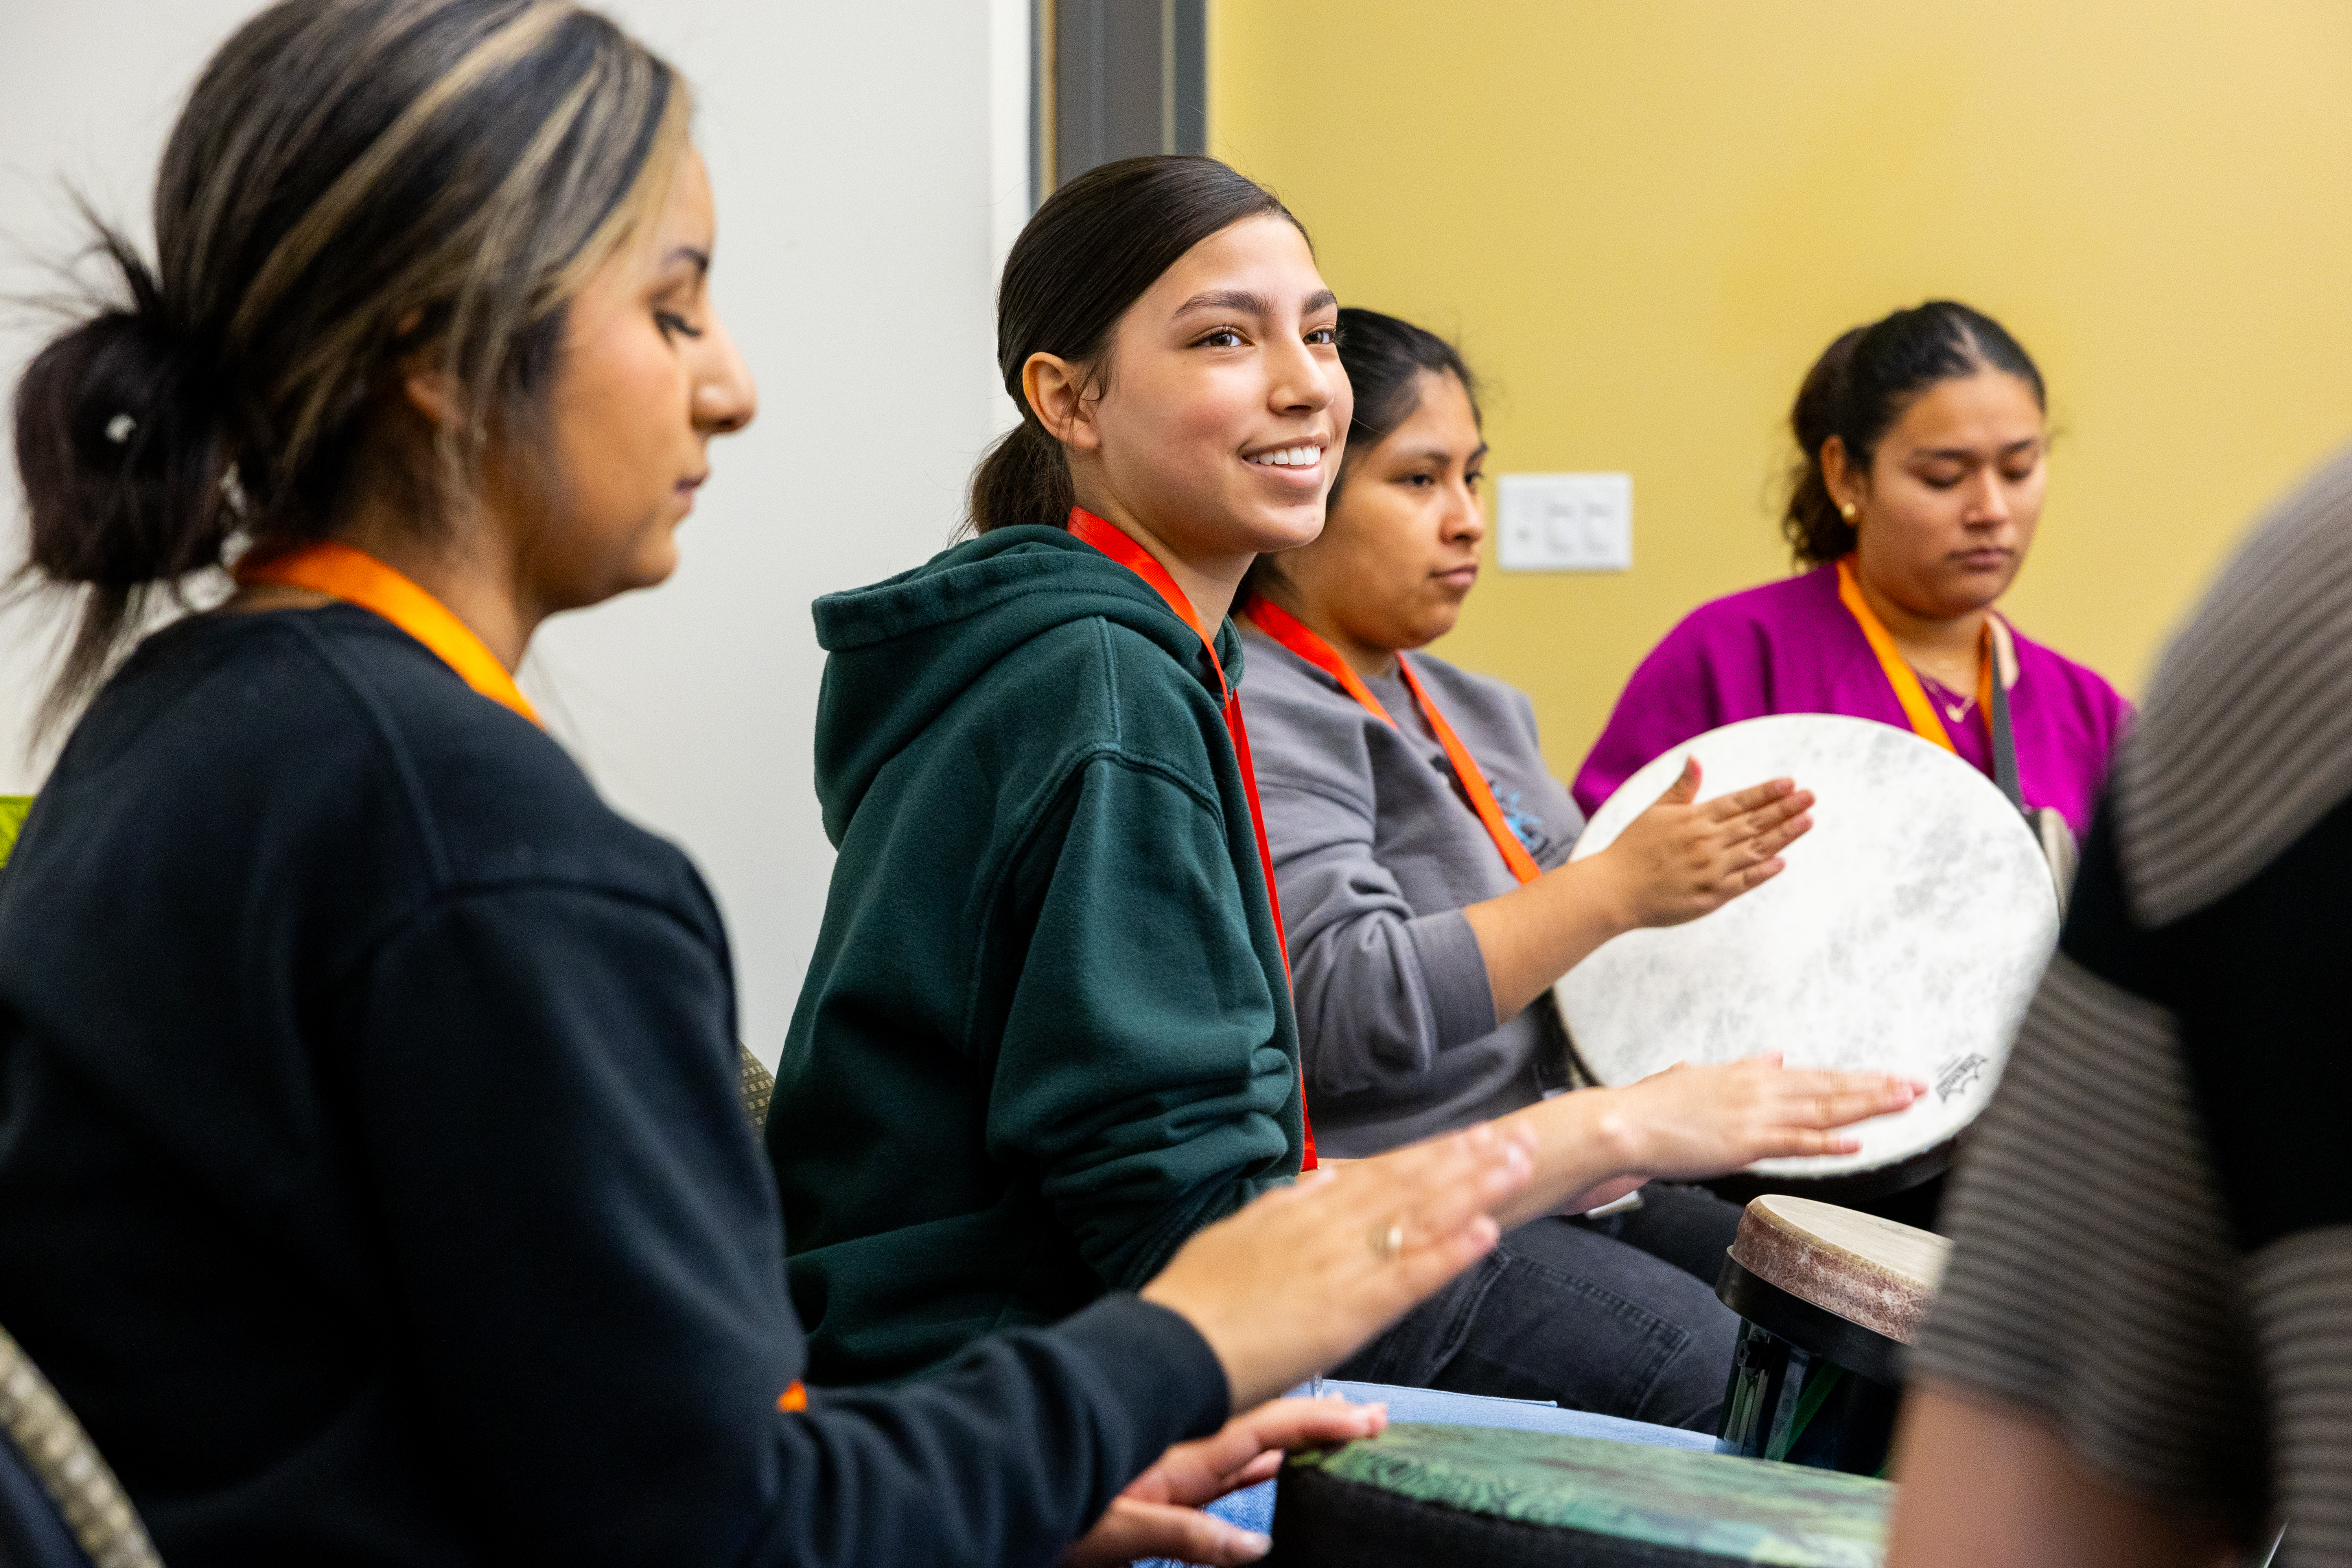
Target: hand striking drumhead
{"type": "Point", "coordinates": [1905, 936]}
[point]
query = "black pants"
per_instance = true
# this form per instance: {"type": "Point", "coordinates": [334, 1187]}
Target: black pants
{"type": "Point", "coordinates": [1615, 1316]}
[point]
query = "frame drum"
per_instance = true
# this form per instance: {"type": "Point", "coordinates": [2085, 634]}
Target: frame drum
{"type": "Point", "coordinates": [1904, 935]}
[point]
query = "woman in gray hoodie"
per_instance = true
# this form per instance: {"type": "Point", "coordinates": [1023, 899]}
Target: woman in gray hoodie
{"type": "Point", "coordinates": [1420, 849]}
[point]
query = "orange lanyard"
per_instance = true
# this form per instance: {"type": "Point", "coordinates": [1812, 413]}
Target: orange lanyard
{"type": "Point", "coordinates": [1902, 677]}
{"type": "Point", "coordinates": [353, 575]}
{"type": "Point", "coordinates": [1108, 538]}
{"type": "Point", "coordinates": [356, 577]}
{"type": "Point", "coordinates": [1293, 634]}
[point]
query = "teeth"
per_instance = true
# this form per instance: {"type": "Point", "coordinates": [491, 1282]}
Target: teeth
{"type": "Point", "coordinates": [1290, 457]}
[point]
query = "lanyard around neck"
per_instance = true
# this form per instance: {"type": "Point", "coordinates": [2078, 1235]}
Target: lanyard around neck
{"type": "Point", "coordinates": [1908, 692]}
{"type": "Point", "coordinates": [1112, 541]}
{"type": "Point", "coordinates": [1294, 634]}
{"type": "Point", "coordinates": [1993, 692]}
{"type": "Point", "coordinates": [353, 575]}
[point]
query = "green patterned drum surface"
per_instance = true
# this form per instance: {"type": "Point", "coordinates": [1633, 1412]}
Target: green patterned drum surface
{"type": "Point", "coordinates": [1484, 1495]}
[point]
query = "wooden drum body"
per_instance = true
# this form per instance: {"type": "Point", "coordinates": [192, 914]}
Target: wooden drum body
{"type": "Point", "coordinates": [1470, 1497]}
{"type": "Point", "coordinates": [1906, 935]}
{"type": "Point", "coordinates": [1829, 1299]}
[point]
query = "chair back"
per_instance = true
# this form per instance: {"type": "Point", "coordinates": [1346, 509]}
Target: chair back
{"type": "Point", "coordinates": [759, 1087]}
{"type": "Point", "coordinates": [60, 1507]}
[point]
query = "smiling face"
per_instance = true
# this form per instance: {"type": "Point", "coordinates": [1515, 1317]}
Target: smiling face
{"type": "Point", "coordinates": [1948, 509]}
{"type": "Point", "coordinates": [1214, 422]}
{"type": "Point", "coordinates": [1400, 553]}
{"type": "Point", "coordinates": [646, 376]}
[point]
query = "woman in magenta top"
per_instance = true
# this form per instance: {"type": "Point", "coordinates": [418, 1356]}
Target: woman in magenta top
{"type": "Point", "coordinates": [1924, 442]}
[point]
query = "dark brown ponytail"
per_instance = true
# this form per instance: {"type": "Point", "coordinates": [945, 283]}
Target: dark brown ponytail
{"type": "Point", "coordinates": [1087, 254]}
{"type": "Point", "coordinates": [1859, 388]}
{"type": "Point", "coordinates": [122, 452]}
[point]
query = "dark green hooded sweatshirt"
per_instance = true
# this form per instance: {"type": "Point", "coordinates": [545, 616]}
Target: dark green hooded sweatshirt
{"type": "Point", "coordinates": [1046, 1033]}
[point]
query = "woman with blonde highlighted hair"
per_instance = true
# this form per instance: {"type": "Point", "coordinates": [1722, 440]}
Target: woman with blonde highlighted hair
{"type": "Point", "coordinates": [374, 1183]}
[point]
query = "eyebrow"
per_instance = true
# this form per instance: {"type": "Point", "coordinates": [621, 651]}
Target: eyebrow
{"type": "Point", "coordinates": [1963, 453]}
{"type": "Point", "coordinates": [1440, 455]}
{"type": "Point", "coordinates": [1252, 304]}
{"type": "Point", "coordinates": [695, 254]}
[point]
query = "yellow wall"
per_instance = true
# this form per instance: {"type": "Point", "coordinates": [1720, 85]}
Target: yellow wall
{"type": "Point", "coordinates": [1644, 219]}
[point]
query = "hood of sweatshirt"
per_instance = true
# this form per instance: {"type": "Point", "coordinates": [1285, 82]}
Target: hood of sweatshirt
{"type": "Point", "coordinates": [901, 651]}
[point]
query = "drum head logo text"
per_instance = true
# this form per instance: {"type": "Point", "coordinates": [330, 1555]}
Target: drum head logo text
{"type": "Point", "coordinates": [1956, 1075]}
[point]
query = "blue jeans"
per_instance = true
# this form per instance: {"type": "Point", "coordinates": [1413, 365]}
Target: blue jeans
{"type": "Point", "coordinates": [1616, 1315]}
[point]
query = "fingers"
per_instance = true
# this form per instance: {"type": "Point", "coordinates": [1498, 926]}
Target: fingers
{"type": "Point", "coordinates": [1784, 1143]}
{"type": "Point", "coordinates": [1814, 1082]}
{"type": "Point", "coordinates": [1761, 797]}
{"type": "Point", "coordinates": [1292, 1424]}
{"type": "Point", "coordinates": [1685, 789]}
{"type": "Point", "coordinates": [1130, 1530]}
{"type": "Point", "coordinates": [1249, 1448]}
{"type": "Point", "coordinates": [1422, 1269]}
{"type": "Point", "coordinates": [1295, 1282]}
{"type": "Point", "coordinates": [1439, 1185]}
{"type": "Point", "coordinates": [1262, 1468]}
{"type": "Point", "coordinates": [1774, 840]}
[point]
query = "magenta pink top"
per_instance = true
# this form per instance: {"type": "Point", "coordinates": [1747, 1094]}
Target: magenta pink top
{"type": "Point", "coordinates": [1791, 647]}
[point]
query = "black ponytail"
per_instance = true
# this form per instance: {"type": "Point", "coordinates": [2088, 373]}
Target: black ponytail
{"type": "Point", "coordinates": [1087, 254]}
{"type": "Point", "coordinates": [1859, 388]}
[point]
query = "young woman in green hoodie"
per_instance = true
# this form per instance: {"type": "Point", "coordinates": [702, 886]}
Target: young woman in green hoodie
{"type": "Point", "coordinates": [1047, 1031]}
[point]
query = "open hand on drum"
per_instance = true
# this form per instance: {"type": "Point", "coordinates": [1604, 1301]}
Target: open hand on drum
{"type": "Point", "coordinates": [1688, 1123]}
{"type": "Point", "coordinates": [1677, 861]}
{"type": "Point", "coordinates": [1296, 1281]}
{"type": "Point", "coordinates": [1672, 863]}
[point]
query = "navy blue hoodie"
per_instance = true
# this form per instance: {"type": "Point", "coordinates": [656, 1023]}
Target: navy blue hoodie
{"type": "Point", "coordinates": [373, 1182]}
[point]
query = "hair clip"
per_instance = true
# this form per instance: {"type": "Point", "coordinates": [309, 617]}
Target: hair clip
{"type": "Point", "coordinates": [119, 430]}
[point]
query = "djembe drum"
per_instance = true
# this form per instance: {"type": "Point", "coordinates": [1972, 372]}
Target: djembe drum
{"type": "Point", "coordinates": [1904, 935]}
{"type": "Point", "coordinates": [1828, 1300]}
{"type": "Point", "coordinates": [1470, 1497]}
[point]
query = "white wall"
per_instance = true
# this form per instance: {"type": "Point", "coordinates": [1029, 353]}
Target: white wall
{"type": "Point", "coordinates": [869, 161]}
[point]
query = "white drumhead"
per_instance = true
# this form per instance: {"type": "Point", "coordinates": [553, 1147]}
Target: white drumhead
{"type": "Point", "coordinates": [1905, 934]}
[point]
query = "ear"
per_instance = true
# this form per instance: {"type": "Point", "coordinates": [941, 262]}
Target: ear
{"type": "Point", "coordinates": [432, 392]}
{"type": "Point", "coordinates": [1055, 391]}
{"type": "Point", "coordinates": [1847, 485]}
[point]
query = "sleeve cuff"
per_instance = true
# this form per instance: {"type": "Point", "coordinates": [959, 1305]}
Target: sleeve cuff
{"type": "Point", "coordinates": [1454, 978]}
{"type": "Point", "coordinates": [1155, 1363]}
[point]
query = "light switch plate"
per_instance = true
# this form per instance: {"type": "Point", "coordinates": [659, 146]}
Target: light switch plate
{"type": "Point", "coordinates": [1565, 522]}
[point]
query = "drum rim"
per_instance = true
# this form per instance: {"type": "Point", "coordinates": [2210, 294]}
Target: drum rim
{"type": "Point", "coordinates": [1864, 1351]}
{"type": "Point", "coordinates": [1845, 1187]}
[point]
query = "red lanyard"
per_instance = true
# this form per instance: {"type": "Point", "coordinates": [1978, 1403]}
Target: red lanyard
{"type": "Point", "coordinates": [1902, 677]}
{"type": "Point", "coordinates": [354, 576]}
{"type": "Point", "coordinates": [1293, 634]}
{"type": "Point", "coordinates": [1108, 538]}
